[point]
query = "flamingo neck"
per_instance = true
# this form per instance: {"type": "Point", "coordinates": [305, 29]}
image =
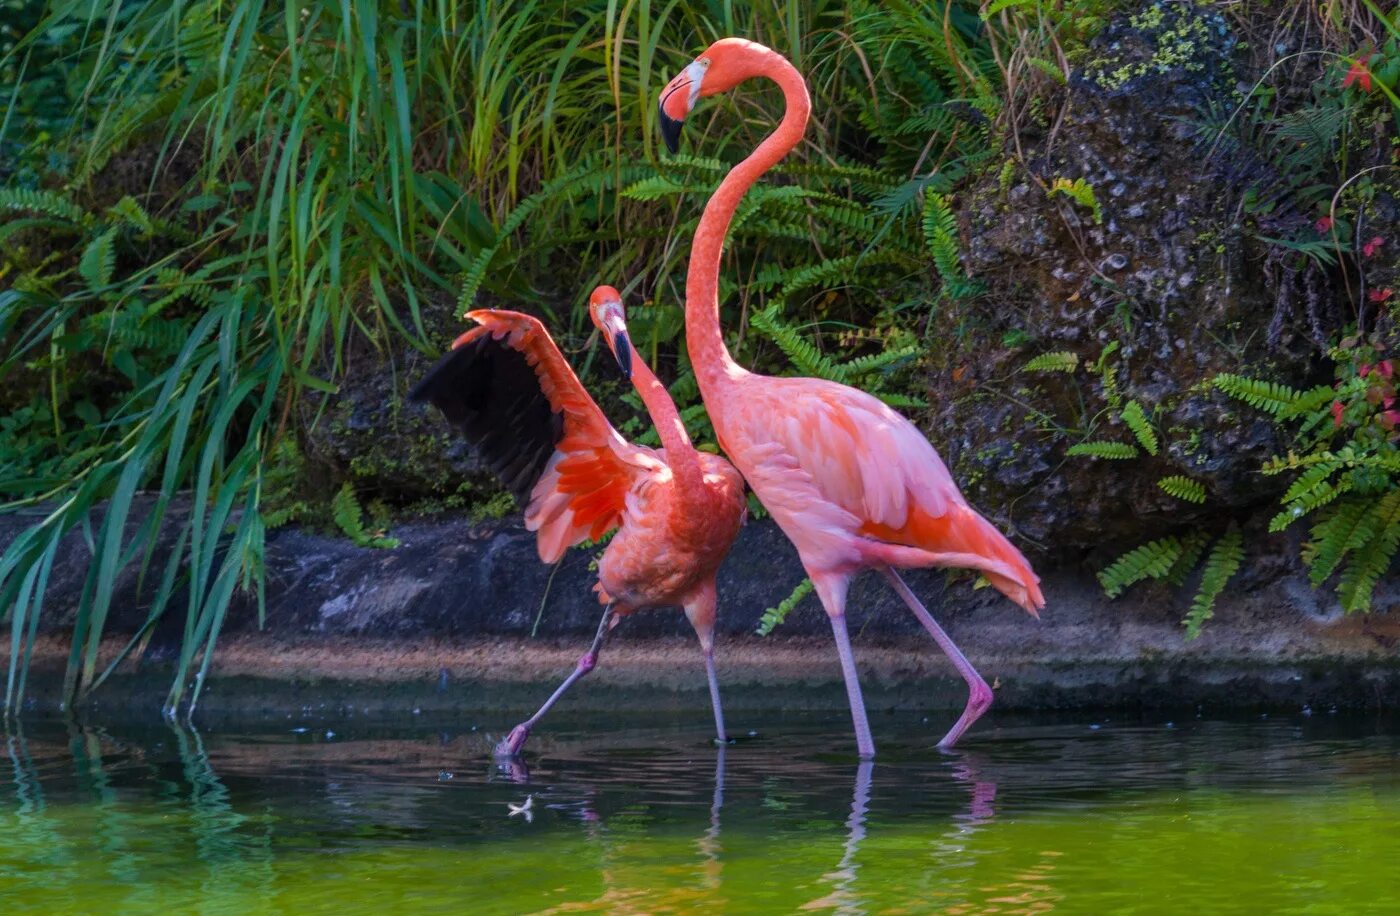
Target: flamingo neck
{"type": "Point", "coordinates": [714, 367]}
{"type": "Point", "coordinates": [680, 454]}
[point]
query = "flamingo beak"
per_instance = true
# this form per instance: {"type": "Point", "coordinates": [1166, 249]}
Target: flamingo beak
{"type": "Point", "coordinates": [620, 344]}
{"type": "Point", "coordinates": [677, 99]}
{"type": "Point", "coordinates": [670, 131]}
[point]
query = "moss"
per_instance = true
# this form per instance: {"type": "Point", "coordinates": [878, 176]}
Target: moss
{"type": "Point", "coordinates": [1177, 35]}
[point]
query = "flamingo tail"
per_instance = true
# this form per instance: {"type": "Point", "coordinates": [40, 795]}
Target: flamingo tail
{"type": "Point", "coordinates": [962, 537]}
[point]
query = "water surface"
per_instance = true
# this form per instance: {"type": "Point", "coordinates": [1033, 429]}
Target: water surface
{"type": "Point", "coordinates": [1092, 814]}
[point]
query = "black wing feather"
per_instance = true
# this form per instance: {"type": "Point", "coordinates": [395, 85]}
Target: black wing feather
{"type": "Point", "coordinates": [489, 391]}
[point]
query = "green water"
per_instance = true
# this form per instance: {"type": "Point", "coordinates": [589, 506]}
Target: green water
{"type": "Point", "coordinates": [1089, 815]}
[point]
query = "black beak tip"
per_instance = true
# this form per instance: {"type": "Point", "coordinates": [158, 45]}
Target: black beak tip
{"type": "Point", "coordinates": [671, 132]}
{"type": "Point", "coordinates": [622, 349]}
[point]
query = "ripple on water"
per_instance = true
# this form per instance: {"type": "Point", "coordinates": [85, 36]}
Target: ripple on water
{"type": "Point", "coordinates": [1091, 814]}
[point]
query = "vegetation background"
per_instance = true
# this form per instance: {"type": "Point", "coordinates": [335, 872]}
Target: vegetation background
{"type": "Point", "coordinates": [1105, 253]}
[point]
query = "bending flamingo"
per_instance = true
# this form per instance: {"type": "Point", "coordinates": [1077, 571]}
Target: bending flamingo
{"type": "Point", "coordinates": [853, 484]}
{"type": "Point", "coordinates": [677, 511]}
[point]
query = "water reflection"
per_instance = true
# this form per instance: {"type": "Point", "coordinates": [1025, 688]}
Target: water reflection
{"type": "Point", "coordinates": [137, 819]}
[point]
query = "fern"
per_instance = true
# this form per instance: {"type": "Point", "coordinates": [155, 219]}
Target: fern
{"type": "Point", "coordinates": [1057, 361]}
{"type": "Point", "coordinates": [1346, 528]}
{"type": "Point", "coordinates": [1153, 560]}
{"type": "Point", "coordinates": [1136, 420]}
{"type": "Point", "coordinates": [1081, 192]}
{"type": "Point", "coordinates": [1101, 449]}
{"type": "Point", "coordinates": [47, 202]}
{"type": "Point", "coordinates": [99, 260]}
{"type": "Point", "coordinates": [941, 236]}
{"type": "Point", "coordinates": [1183, 488]}
{"type": "Point", "coordinates": [774, 616]}
{"type": "Point", "coordinates": [1221, 566]}
{"type": "Point", "coordinates": [1270, 397]}
{"type": "Point", "coordinates": [349, 517]}
{"type": "Point", "coordinates": [1371, 561]}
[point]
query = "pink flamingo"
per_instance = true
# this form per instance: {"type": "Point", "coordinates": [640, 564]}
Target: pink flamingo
{"type": "Point", "coordinates": [677, 511]}
{"type": "Point", "coordinates": [853, 484]}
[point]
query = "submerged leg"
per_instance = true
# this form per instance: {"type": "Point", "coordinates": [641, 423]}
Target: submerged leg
{"type": "Point", "coordinates": [832, 592]}
{"type": "Point", "coordinates": [979, 697]}
{"type": "Point", "coordinates": [714, 695]}
{"type": "Point", "coordinates": [516, 739]}
{"type": "Point", "coordinates": [700, 611]}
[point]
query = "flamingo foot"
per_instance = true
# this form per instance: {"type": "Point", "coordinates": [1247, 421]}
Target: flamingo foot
{"type": "Point", "coordinates": [512, 744]}
{"type": "Point", "coordinates": [979, 700]}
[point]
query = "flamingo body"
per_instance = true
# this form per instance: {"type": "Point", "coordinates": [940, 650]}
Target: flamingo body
{"type": "Point", "coordinates": [853, 484]}
{"type": "Point", "coordinates": [676, 510]}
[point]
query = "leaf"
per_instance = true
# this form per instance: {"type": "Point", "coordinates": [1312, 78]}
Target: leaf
{"type": "Point", "coordinates": [774, 616]}
{"type": "Point", "coordinates": [1153, 560]}
{"type": "Point", "coordinates": [98, 260]}
{"type": "Point", "coordinates": [1271, 397]}
{"type": "Point", "coordinates": [1221, 566]}
{"type": "Point", "coordinates": [1057, 361]}
{"type": "Point", "coordinates": [1137, 421]}
{"type": "Point", "coordinates": [1100, 449]}
{"type": "Point", "coordinates": [1183, 488]}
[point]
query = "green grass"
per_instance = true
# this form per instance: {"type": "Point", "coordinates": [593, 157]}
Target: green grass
{"type": "Point", "coordinates": [229, 196]}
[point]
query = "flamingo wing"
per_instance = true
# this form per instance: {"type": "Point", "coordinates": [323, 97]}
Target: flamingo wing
{"type": "Point", "coordinates": [514, 398]}
{"type": "Point", "coordinates": [848, 466]}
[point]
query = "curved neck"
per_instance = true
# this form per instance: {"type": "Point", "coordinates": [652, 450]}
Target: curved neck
{"type": "Point", "coordinates": [704, 339]}
{"type": "Point", "coordinates": [680, 454]}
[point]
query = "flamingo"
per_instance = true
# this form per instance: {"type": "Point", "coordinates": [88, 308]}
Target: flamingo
{"type": "Point", "coordinates": [853, 484]}
{"type": "Point", "coordinates": [676, 510]}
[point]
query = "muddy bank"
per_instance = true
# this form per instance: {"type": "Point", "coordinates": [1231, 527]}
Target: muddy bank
{"type": "Point", "coordinates": [445, 622]}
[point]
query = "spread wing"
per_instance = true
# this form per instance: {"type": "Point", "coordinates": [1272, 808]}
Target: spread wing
{"type": "Point", "coordinates": [509, 391]}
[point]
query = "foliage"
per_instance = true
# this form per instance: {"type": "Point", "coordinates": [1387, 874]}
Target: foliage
{"type": "Point", "coordinates": [1081, 192]}
{"type": "Point", "coordinates": [1058, 361]}
{"type": "Point", "coordinates": [774, 616]}
{"type": "Point", "coordinates": [204, 207]}
{"type": "Point", "coordinates": [1344, 466]}
{"type": "Point", "coordinates": [349, 517]}
{"type": "Point", "coordinates": [1183, 488]}
{"type": "Point", "coordinates": [1171, 559]}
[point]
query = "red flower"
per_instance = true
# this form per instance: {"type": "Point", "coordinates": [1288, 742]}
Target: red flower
{"type": "Point", "coordinates": [1337, 413]}
{"type": "Point", "coordinates": [1379, 295]}
{"type": "Point", "coordinates": [1358, 74]}
{"type": "Point", "coordinates": [1371, 247]}
{"type": "Point", "coordinates": [1324, 224]}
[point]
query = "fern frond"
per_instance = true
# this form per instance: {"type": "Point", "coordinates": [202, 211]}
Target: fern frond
{"type": "Point", "coordinates": [99, 260]}
{"type": "Point", "coordinates": [1081, 192]}
{"type": "Point", "coordinates": [349, 517]}
{"type": "Point", "coordinates": [774, 616]}
{"type": "Point", "coordinates": [1371, 561]}
{"type": "Point", "coordinates": [1183, 488]}
{"type": "Point", "coordinates": [1221, 566]}
{"type": "Point", "coordinates": [49, 203]}
{"type": "Point", "coordinates": [1271, 397]}
{"type": "Point", "coordinates": [1153, 560]}
{"type": "Point", "coordinates": [1136, 420]}
{"type": "Point", "coordinates": [1345, 528]}
{"type": "Point", "coordinates": [1100, 449]}
{"type": "Point", "coordinates": [1057, 361]}
{"type": "Point", "coordinates": [804, 355]}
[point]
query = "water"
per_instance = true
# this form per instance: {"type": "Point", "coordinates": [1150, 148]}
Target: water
{"type": "Point", "coordinates": [1088, 815]}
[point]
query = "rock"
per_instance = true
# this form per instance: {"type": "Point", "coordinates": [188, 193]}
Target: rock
{"type": "Point", "coordinates": [1156, 293]}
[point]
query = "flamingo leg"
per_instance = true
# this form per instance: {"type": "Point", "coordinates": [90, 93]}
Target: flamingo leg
{"type": "Point", "coordinates": [714, 694]}
{"type": "Point", "coordinates": [511, 745]}
{"type": "Point", "coordinates": [979, 694]}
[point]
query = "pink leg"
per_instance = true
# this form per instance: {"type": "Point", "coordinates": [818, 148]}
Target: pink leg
{"type": "Point", "coordinates": [516, 739]}
{"type": "Point", "coordinates": [714, 694]}
{"type": "Point", "coordinates": [979, 694]}
{"type": "Point", "coordinates": [832, 592]}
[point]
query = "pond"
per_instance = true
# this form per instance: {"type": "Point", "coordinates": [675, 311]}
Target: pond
{"type": "Point", "coordinates": [638, 814]}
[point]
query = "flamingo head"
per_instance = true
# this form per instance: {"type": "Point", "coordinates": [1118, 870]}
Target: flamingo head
{"type": "Point", "coordinates": [724, 65]}
{"type": "Point", "coordinates": [605, 308]}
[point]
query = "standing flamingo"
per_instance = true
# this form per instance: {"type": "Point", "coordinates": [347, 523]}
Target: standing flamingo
{"type": "Point", "coordinates": [677, 511]}
{"type": "Point", "coordinates": [853, 484]}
